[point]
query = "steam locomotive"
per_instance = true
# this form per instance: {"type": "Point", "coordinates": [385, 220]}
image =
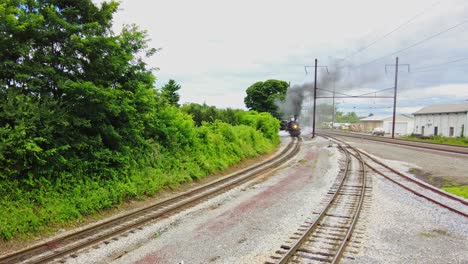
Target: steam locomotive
{"type": "Point", "coordinates": [292, 126]}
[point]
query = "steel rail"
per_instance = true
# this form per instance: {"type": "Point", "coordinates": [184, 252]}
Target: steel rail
{"type": "Point", "coordinates": [420, 194]}
{"type": "Point", "coordinates": [229, 181]}
{"type": "Point", "coordinates": [426, 186]}
{"type": "Point", "coordinates": [403, 142]}
{"type": "Point", "coordinates": [292, 250]}
{"type": "Point", "coordinates": [345, 242]}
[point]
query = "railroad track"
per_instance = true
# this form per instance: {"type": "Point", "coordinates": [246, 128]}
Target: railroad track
{"type": "Point", "coordinates": [324, 238]}
{"type": "Point", "coordinates": [114, 229]}
{"type": "Point", "coordinates": [435, 195]}
{"type": "Point", "coordinates": [402, 142]}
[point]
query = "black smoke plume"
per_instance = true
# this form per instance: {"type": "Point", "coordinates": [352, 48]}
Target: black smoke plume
{"type": "Point", "coordinates": [292, 105]}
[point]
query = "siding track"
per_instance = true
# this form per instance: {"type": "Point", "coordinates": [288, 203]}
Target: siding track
{"type": "Point", "coordinates": [437, 196]}
{"type": "Point", "coordinates": [443, 148]}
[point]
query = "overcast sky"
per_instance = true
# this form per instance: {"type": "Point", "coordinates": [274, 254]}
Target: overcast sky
{"type": "Point", "coordinates": [216, 49]}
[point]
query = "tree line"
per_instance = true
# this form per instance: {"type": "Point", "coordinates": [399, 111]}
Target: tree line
{"type": "Point", "coordinates": [263, 96]}
{"type": "Point", "coordinates": [82, 127]}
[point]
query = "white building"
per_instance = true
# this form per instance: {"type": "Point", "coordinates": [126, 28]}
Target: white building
{"type": "Point", "coordinates": [403, 124]}
{"type": "Point", "coordinates": [449, 120]}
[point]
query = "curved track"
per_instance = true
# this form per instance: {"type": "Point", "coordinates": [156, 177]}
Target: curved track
{"type": "Point", "coordinates": [325, 238]}
{"type": "Point", "coordinates": [103, 232]}
{"type": "Point", "coordinates": [402, 142]}
{"type": "Point", "coordinates": [437, 196]}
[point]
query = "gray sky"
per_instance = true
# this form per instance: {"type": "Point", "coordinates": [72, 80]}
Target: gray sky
{"type": "Point", "coordinates": [216, 49]}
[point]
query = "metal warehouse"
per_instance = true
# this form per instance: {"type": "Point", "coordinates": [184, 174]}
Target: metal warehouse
{"type": "Point", "coordinates": [403, 124]}
{"type": "Point", "coordinates": [449, 120]}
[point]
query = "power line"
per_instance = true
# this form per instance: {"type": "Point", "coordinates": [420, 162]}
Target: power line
{"type": "Point", "coordinates": [416, 44]}
{"type": "Point", "coordinates": [440, 64]}
{"type": "Point", "coordinates": [355, 96]}
{"type": "Point", "coordinates": [377, 91]}
{"type": "Point", "coordinates": [394, 30]}
{"type": "Point", "coordinates": [334, 92]}
{"type": "Point", "coordinates": [431, 70]}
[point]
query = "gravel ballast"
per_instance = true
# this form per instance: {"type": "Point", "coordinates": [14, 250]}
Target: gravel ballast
{"type": "Point", "coordinates": [249, 223]}
{"type": "Point", "coordinates": [437, 164]}
{"type": "Point", "coordinates": [244, 225]}
{"type": "Point", "coordinates": [403, 228]}
{"type": "Point", "coordinates": [400, 227]}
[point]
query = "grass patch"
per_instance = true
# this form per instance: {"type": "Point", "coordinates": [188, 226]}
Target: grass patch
{"type": "Point", "coordinates": [457, 190]}
{"type": "Point", "coordinates": [426, 234]}
{"type": "Point", "coordinates": [436, 180]}
{"type": "Point", "coordinates": [157, 234]}
{"type": "Point", "coordinates": [434, 233]}
{"type": "Point", "coordinates": [440, 140]}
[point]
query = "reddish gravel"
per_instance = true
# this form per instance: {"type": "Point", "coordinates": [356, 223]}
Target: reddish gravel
{"type": "Point", "coordinates": [268, 198]}
{"type": "Point", "coordinates": [225, 229]}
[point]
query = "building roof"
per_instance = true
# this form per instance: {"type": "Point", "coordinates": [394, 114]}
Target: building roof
{"type": "Point", "coordinates": [387, 118]}
{"type": "Point", "coordinates": [373, 118]}
{"type": "Point", "coordinates": [399, 118]}
{"type": "Point", "coordinates": [444, 108]}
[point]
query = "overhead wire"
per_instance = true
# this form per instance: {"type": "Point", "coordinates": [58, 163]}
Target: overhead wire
{"type": "Point", "coordinates": [377, 91]}
{"type": "Point", "coordinates": [355, 96]}
{"type": "Point", "coordinates": [440, 64]}
{"type": "Point", "coordinates": [415, 44]}
{"type": "Point", "coordinates": [394, 30]}
{"type": "Point", "coordinates": [334, 92]}
{"type": "Point", "coordinates": [408, 47]}
{"type": "Point", "coordinates": [432, 70]}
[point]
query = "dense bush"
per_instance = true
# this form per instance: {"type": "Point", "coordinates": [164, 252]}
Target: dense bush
{"type": "Point", "coordinates": [81, 126]}
{"type": "Point", "coordinates": [204, 113]}
{"type": "Point", "coordinates": [187, 153]}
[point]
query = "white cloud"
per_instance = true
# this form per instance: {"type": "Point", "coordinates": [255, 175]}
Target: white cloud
{"type": "Point", "coordinates": [445, 91]}
{"type": "Point", "coordinates": [216, 49]}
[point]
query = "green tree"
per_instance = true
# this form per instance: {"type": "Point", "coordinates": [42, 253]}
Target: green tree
{"type": "Point", "coordinates": [350, 117]}
{"type": "Point", "coordinates": [204, 113]}
{"type": "Point", "coordinates": [74, 95]}
{"type": "Point", "coordinates": [82, 127]}
{"type": "Point", "coordinates": [169, 92]}
{"type": "Point", "coordinates": [261, 96]}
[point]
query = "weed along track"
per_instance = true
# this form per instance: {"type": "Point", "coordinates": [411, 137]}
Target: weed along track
{"type": "Point", "coordinates": [120, 227]}
{"type": "Point", "coordinates": [325, 236]}
{"type": "Point", "coordinates": [446, 200]}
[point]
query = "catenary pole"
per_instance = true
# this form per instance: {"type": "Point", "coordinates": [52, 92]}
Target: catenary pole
{"type": "Point", "coordinates": [334, 112]}
{"type": "Point", "coordinates": [395, 97]}
{"type": "Point", "coordinates": [315, 99]}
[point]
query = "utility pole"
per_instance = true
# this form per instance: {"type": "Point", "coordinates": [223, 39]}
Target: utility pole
{"type": "Point", "coordinates": [315, 93]}
{"type": "Point", "coordinates": [394, 97]}
{"type": "Point", "coordinates": [395, 92]}
{"type": "Point", "coordinates": [334, 109]}
{"type": "Point", "coordinates": [315, 98]}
